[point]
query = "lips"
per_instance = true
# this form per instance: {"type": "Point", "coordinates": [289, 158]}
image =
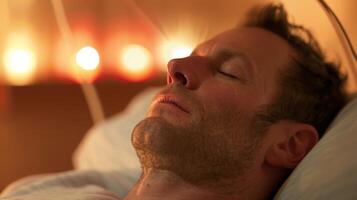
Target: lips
{"type": "Point", "coordinates": [167, 99]}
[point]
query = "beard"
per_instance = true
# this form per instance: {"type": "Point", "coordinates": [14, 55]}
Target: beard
{"type": "Point", "coordinates": [201, 153]}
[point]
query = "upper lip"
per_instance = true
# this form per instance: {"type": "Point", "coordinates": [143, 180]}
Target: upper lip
{"type": "Point", "coordinates": [171, 99]}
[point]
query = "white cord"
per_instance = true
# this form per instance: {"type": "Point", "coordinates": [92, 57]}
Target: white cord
{"type": "Point", "coordinates": [88, 89]}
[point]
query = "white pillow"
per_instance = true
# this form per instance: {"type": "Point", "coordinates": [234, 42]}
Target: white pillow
{"type": "Point", "coordinates": [329, 171]}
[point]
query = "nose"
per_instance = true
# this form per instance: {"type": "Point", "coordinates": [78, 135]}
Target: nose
{"type": "Point", "coordinates": [190, 72]}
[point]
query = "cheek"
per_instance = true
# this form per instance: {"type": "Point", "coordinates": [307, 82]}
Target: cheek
{"type": "Point", "coordinates": [227, 112]}
{"type": "Point", "coordinates": [217, 98]}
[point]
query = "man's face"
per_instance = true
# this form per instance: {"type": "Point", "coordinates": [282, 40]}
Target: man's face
{"type": "Point", "coordinates": [201, 126]}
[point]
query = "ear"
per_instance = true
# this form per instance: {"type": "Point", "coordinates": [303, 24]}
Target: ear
{"type": "Point", "coordinates": [289, 143]}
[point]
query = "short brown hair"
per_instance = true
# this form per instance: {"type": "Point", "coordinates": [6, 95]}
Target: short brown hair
{"type": "Point", "coordinates": [311, 88]}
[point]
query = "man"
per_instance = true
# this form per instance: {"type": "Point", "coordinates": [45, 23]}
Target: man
{"type": "Point", "coordinates": [237, 115]}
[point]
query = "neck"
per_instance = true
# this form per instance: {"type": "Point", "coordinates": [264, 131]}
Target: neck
{"type": "Point", "coordinates": [161, 184]}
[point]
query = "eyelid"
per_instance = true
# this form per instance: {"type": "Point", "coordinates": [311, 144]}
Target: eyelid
{"type": "Point", "coordinates": [232, 66]}
{"type": "Point", "coordinates": [244, 62]}
{"type": "Point", "coordinates": [236, 71]}
{"type": "Point", "coordinates": [227, 74]}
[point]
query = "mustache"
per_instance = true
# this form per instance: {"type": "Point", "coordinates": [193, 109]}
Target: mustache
{"type": "Point", "coordinates": [185, 98]}
{"type": "Point", "coordinates": [175, 89]}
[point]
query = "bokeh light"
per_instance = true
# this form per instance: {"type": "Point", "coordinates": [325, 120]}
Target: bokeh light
{"type": "Point", "coordinates": [174, 49]}
{"type": "Point", "coordinates": [76, 59]}
{"type": "Point", "coordinates": [20, 62]}
{"type": "Point", "coordinates": [180, 52]}
{"type": "Point", "coordinates": [135, 58]}
{"type": "Point", "coordinates": [135, 63]}
{"type": "Point", "coordinates": [19, 66]}
{"type": "Point", "coordinates": [88, 58]}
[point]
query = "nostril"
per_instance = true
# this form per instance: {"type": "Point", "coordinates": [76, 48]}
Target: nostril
{"type": "Point", "coordinates": [181, 78]}
{"type": "Point", "coordinates": [169, 79]}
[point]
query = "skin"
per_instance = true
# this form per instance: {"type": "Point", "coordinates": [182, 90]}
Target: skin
{"type": "Point", "coordinates": [206, 144]}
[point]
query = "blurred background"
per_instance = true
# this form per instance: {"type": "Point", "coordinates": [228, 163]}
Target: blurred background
{"type": "Point", "coordinates": [120, 46]}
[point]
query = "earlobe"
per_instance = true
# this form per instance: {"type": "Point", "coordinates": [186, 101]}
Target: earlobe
{"type": "Point", "coordinates": [290, 144]}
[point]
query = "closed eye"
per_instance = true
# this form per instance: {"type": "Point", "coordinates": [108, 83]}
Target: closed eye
{"type": "Point", "coordinates": [227, 74]}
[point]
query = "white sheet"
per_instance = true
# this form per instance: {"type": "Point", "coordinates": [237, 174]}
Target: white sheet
{"type": "Point", "coordinates": [79, 185]}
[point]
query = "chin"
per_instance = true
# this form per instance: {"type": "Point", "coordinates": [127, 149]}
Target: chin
{"type": "Point", "coordinates": [150, 133]}
{"type": "Point", "coordinates": [158, 143]}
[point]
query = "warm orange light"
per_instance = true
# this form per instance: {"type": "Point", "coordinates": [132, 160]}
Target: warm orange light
{"type": "Point", "coordinates": [20, 65]}
{"type": "Point", "coordinates": [180, 52]}
{"type": "Point", "coordinates": [87, 61]}
{"type": "Point", "coordinates": [19, 59]}
{"type": "Point", "coordinates": [175, 49]}
{"type": "Point", "coordinates": [88, 58]}
{"type": "Point", "coordinates": [136, 63]}
{"type": "Point", "coordinates": [76, 58]}
{"type": "Point", "coordinates": [135, 58]}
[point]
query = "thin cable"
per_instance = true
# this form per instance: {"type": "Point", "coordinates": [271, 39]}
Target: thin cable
{"type": "Point", "coordinates": [340, 26]}
{"type": "Point", "coordinates": [93, 101]}
{"type": "Point", "coordinates": [343, 37]}
{"type": "Point", "coordinates": [89, 91]}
